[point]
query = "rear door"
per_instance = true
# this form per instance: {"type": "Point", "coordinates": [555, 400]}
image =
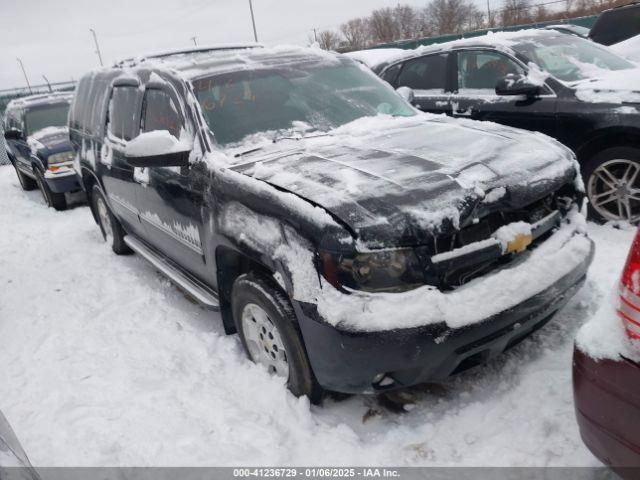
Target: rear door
{"type": "Point", "coordinates": [172, 197]}
{"type": "Point", "coordinates": [478, 71]}
{"type": "Point", "coordinates": [428, 77]}
{"type": "Point", "coordinates": [123, 122]}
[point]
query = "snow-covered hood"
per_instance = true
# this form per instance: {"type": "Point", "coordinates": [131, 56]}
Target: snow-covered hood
{"type": "Point", "coordinates": [620, 86]}
{"type": "Point", "coordinates": [398, 181]}
{"type": "Point", "coordinates": [50, 140]}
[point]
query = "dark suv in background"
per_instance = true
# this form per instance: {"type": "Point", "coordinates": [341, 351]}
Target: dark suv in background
{"type": "Point", "coordinates": [331, 224]}
{"type": "Point", "coordinates": [37, 143]}
{"type": "Point", "coordinates": [588, 99]}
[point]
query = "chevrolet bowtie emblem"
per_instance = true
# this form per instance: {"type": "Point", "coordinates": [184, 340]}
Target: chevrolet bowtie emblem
{"type": "Point", "coordinates": [520, 243]}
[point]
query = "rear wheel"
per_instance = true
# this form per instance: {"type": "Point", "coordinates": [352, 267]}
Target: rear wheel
{"type": "Point", "coordinates": [110, 227]}
{"type": "Point", "coordinates": [270, 335]}
{"type": "Point", "coordinates": [26, 183]}
{"type": "Point", "coordinates": [52, 199]}
{"type": "Point", "coordinates": [612, 180]}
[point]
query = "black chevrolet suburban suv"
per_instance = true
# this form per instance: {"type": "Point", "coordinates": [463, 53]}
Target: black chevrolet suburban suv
{"type": "Point", "coordinates": [564, 86]}
{"type": "Point", "coordinates": [37, 143]}
{"type": "Point", "coordinates": [354, 243]}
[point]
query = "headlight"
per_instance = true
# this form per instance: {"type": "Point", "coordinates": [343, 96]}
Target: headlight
{"type": "Point", "coordinates": [391, 270]}
{"type": "Point", "coordinates": [60, 158]}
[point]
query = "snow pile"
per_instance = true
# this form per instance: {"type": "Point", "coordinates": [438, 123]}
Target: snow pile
{"type": "Point", "coordinates": [610, 86]}
{"type": "Point", "coordinates": [629, 48]}
{"type": "Point", "coordinates": [376, 56]}
{"type": "Point", "coordinates": [603, 337]}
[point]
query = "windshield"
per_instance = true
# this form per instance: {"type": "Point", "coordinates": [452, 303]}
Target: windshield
{"type": "Point", "coordinates": [299, 98]}
{"type": "Point", "coordinates": [38, 118]}
{"type": "Point", "coordinates": [570, 58]}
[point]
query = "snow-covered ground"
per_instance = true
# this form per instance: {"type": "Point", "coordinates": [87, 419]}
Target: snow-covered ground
{"type": "Point", "coordinates": [104, 362]}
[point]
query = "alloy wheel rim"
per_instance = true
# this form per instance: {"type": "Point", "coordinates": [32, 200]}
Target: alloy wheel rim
{"type": "Point", "coordinates": [614, 190]}
{"type": "Point", "coordinates": [263, 340]}
{"type": "Point", "coordinates": [105, 220]}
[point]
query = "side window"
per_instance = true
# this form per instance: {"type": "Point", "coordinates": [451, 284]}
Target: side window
{"type": "Point", "coordinates": [391, 74]}
{"type": "Point", "coordinates": [160, 113]}
{"type": "Point", "coordinates": [483, 69]}
{"type": "Point", "coordinates": [424, 73]}
{"type": "Point", "coordinates": [123, 117]}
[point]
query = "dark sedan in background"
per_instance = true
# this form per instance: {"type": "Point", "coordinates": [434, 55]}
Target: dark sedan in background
{"type": "Point", "coordinates": [569, 88]}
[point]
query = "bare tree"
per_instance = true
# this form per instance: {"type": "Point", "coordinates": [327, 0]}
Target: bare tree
{"type": "Point", "coordinates": [451, 16]}
{"type": "Point", "coordinates": [356, 34]}
{"type": "Point", "coordinates": [516, 12]}
{"type": "Point", "coordinates": [408, 21]}
{"type": "Point", "coordinates": [328, 40]}
{"type": "Point", "coordinates": [382, 26]}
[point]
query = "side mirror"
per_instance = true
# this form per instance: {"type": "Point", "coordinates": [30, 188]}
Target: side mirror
{"type": "Point", "coordinates": [407, 94]}
{"type": "Point", "coordinates": [517, 84]}
{"type": "Point", "coordinates": [157, 149]}
{"type": "Point", "coordinates": [13, 134]}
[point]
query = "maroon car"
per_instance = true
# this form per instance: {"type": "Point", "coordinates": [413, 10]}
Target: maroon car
{"type": "Point", "coordinates": [607, 390]}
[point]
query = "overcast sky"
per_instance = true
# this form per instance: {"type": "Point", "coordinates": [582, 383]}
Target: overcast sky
{"type": "Point", "coordinates": [52, 36]}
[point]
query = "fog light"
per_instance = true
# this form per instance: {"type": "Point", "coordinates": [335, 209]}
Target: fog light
{"type": "Point", "coordinates": [378, 378]}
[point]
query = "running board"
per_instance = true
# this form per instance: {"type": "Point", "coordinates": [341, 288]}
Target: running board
{"type": "Point", "coordinates": [197, 290]}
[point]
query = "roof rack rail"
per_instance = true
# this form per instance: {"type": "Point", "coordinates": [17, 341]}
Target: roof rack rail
{"type": "Point", "coordinates": [188, 50]}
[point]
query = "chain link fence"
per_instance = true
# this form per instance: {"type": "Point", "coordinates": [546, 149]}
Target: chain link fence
{"type": "Point", "coordinates": [4, 160]}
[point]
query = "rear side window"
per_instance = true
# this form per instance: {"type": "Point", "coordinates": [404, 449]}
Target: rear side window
{"type": "Point", "coordinates": [424, 73]}
{"type": "Point", "coordinates": [123, 117]}
{"type": "Point", "coordinates": [160, 113]}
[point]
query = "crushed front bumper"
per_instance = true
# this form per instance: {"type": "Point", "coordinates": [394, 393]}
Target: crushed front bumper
{"type": "Point", "coordinates": [348, 361]}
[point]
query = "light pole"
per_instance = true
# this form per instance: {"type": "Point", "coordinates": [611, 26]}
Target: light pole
{"type": "Point", "coordinates": [253, 21]}
{"type": "Point", "coordinates": [194, 41]}
{"type": "Point", "coordinates": [25, 74]}
{"type": "Point", "coordinates": [95, 40]}
{"type": "Point", "coordinates": [48, 83]}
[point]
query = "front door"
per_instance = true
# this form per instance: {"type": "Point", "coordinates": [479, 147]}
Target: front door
{"type": "Point", "coordinates": [172, 197]}
{"type": "Point", "coordinates": [477, 74]}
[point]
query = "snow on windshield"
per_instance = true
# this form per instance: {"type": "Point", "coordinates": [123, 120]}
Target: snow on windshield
{"type": "Point", "coordinates": [246, 102]}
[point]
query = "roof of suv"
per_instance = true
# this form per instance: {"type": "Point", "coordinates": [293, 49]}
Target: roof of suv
{"type": "Point", "coordinates": [202, 61]}
{"type": "Point", "coordinates": [378, 62]}
{"type": "Point", "coordinates": [41, 99]}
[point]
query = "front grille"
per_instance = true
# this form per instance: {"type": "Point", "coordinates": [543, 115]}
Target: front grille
{"type": "Point", "coordinates": [456, 275]}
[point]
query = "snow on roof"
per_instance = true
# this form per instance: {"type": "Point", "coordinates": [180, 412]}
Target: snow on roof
{"type": "Point", "coordinates": [41, 99]}
{"type": "Point", "coordinates": [131, 61]}
{"type": "Point", "coordinates": [199, 62]}
{"type": "Point", "coordinates": [500, 40]}
{"type": "Point", "coordinates": [628, 48]}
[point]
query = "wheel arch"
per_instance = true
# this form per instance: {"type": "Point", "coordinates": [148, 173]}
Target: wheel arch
{"type": "Point", "coordinates": [230, 264]}
{"type": "Point", "coordinates": [89, 179]}
{"type": "Point", "coordinates": [608, 138]}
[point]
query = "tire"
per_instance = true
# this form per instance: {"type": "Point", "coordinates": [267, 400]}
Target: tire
{"type": "Point", "coordinates": [26, 183]}
{"type": "Point", "coordinates": [612, 181]}
{"type": "Point", "coordinates": [52, 199]}
{"type": "Point", "coordinates": [254, 295]}
{"type": "Point", "coordinates": [111, 229]}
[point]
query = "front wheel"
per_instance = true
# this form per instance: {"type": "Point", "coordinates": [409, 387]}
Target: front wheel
{"type": "Point", "coordinates": [111, 229]}
{"type": "Point", "coordinates": [270, 335]}
{"type": "Point", "coordinates": [612, 180]}
{"type": "Point", "coordinates": [52, 199]}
